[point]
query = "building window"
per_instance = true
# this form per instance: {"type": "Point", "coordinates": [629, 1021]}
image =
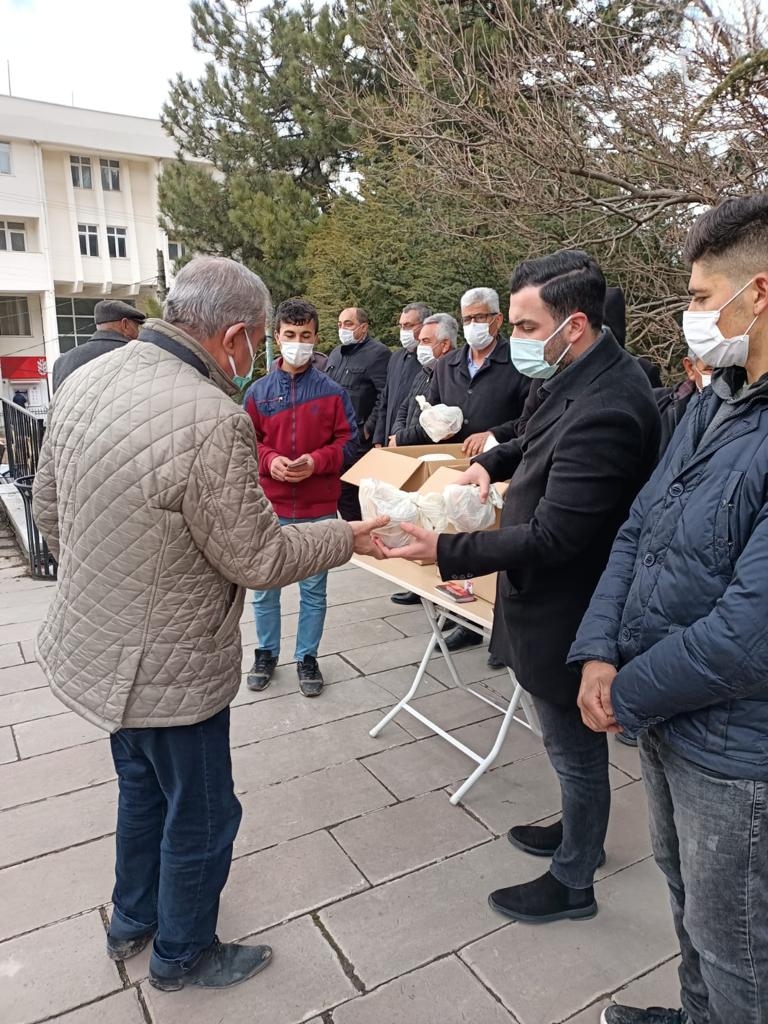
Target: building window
{"type": "Point", "coordinates": [74, 321]}
{"type": "Point", "coordinates": [176, 251]}
{"type": "Point", "coordinates": [110, 175]}
{"type": "Point", "coordinates": [13, 236]}
{"type": "Point", "coordinates": [116, 242]}
{"type": "Point", "coordinates": [14, 317]}
{"type": "Point", "coordinates": [80, 166]}
{"type": "Point", "coordinates": [89, 239]}
{"type": "Point", "coordinates": [5, 158]}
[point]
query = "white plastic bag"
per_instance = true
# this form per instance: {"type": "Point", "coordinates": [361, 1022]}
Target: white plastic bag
{"type": "Point", "coordinates": [439, 421]}
{"type": "Point", "coordinates": [432, 511]}
{"type": "Point", "coordinates": [378, 498]}
{"type": "Point", "coordinates": [464, 510]}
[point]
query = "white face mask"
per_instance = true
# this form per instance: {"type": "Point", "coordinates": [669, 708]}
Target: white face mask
{"type": "Point", "coordinates": [239, 380]}
{"type": "Point", "coordinates": [527, 354]}
{"type": "Point", "coordinates": [477, 335]}
{"type": "Point", "coordinates": [706, 340]}
{"type": "Point", "coordinates": [706, 380]}
{"type": "Point", "coordinates": [407, 339]}
{"type": "Point", "coordinates": [426, 356]}
{"type": "Point", "coordinates": [296, 353]}
{"type": "Point", "coordinates": [347, 336]}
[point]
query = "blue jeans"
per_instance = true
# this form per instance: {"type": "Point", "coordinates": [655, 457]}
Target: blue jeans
{"type": "Point", "coordinates": [580, 759]}
{"type": "Point", "coordinates": [313, 604]}
{"type": "Point", "coordinates": [177, 818]}
{"type": "Point", "coordinates": [710, 838]}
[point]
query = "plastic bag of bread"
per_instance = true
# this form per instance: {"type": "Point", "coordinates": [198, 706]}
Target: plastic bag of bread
{"type": "Point", "coordinates": [464, 510]}
{"type": "Point", "coordinates": [378, 498]}
{"type": "Point", "coordinates": [439, 421]}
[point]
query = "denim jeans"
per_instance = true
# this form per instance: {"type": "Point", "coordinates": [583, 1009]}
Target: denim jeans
{"type": "Point", "coordinates": [312, 607]}
{"type": "Point", "coordinates": [580, 759]}
{"type": "Point", "coordinates": [710, 839]}
{"type": "Point", "coordinates": [177, 818]}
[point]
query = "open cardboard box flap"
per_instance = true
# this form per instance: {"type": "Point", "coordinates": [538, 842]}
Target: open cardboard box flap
{"type": "Point", "coordinates": [406, 468]}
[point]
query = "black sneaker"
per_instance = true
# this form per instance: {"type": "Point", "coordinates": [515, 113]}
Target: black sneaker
{"type": "Point", "coordinates": [222, 965]}
{"type": "Point", "coordinates": [264, 665]}
{"type": "Point", "coordinates": [633, 1015]}
{"type": "Point", "coordinates": [124, 949]}
{"type": "Point", "coordinates": [310, 677]}
{"type": "Point", "coordinates": [540, 840]}
{"type": "Point", "coordinates": [544, 899]}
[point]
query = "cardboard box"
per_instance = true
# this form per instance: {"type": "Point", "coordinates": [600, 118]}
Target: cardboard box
{"type": "Point", "coordinates": [406, 468]}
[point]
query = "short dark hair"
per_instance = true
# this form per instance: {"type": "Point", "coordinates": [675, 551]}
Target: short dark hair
{"type": "Point", "coordinates": [421, 308]}
{"type": "Point", "coordinates": [569, 281]}
{"type": "Point", "coordinates": [737, 228]}
{"type": "Point", "coordinates": [362, 315]}
{"type": "Point", "coordinates": [297, 312]}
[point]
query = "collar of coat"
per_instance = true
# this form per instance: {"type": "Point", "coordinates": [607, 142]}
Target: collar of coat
{"type": "Point", "coordinates": [729, 384]}
{"type": "Point", "coordinates": [216, 374]}
{"type": "Point", "coordinates": [572, 379]}
{"type": "Point", "coordinates": [108, 335]}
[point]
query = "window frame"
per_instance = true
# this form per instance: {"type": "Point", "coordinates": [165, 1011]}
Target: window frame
{"type": "Point", "coordinates": [7, 142]}
{"type": "Point", "coordinates": [110, 181]}
{"type": "Point", "coordinates": [9, 228]}
{"type": "Point", "coordinates": [79, 164]}
{"type": "Point", "coordinates": [181, 252]}
{"type": "Point", "coordinates": [21, 315]}
{"type": "Point", "coordinates": [117, 235]}
{"type": "Point", "coordinates": [88, 236]}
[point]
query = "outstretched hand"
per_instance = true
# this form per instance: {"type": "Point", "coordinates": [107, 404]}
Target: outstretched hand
{"type": "Point", "coordinates": [423, 547]}
{"type": "Point", "coordinates": [364, 543]}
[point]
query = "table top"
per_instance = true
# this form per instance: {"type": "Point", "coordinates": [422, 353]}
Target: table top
{"type": "Point", "coordinates": [422, 580]}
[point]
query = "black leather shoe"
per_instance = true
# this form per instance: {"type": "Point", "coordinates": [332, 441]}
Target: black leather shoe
{"type": "Point", "coordinates": [405, 597]}
{"type": "Point", "coordinates": [221, 965]}
{"type": "Point", "coordinates": [494, 662]}
{"type": "Point", "coordinates": [264, 665]}
{"type": "Point", "coordinates": [462, 637]}
{"type": "Point", "coordinates": [540, 840]}
{"type": "Point", "coordinates": [310, 677]}
{"type": "Point", "coordinates": [633, 1015]}
{"type": "Point", "coordinates": [545, 899]}
{"type": "Point", "coordinates": [124, 949]}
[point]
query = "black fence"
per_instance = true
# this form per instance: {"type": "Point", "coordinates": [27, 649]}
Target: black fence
{"type": "Point", "coordinates": [23, 439]}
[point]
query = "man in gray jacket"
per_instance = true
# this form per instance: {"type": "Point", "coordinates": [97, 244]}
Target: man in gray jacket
{"type": "Point", "coordinates": [148, 495]}
{"type": "Point", "coordinates": [117, 323]}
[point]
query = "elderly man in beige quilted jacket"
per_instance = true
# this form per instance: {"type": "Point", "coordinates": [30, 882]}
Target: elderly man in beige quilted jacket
{"type": "Point", "coordinates": [148, 494]}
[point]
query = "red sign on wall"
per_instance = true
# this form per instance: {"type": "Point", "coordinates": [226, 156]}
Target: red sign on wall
{"type": "Point", "coordinates": [23, 367]}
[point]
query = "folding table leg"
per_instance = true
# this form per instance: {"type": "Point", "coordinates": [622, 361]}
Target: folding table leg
{"type": "Point", "coordinates": [414, 685]}
{"type": "Point", "coordinates": [509, 715]}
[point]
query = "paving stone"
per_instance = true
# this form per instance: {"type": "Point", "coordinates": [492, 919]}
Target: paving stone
{"type": "Point", "coordinates": [433, 763]}
{"type": "Point", "coordinates": [40, 596]}
{"type": "Point", "coordinates": [58, 733]}
{"type": "Point", "coordinates": [351, 584]}
{"type": "Point", "coordinates": [408, 922]}
{"type": "Point", "coordinates": [62, 771]}
{"type": "Point", "coordinates": [285, 680]}
{"type": "Point", "coordinates": [564, 967]}
{"type": "Point", "coordinates": [660, 987]}
{"type": "Point", "coordinates": [291, 809]}
{"type": "Point", "coordinates": [27, 831]}
{"type": "Point", "coordinates": [411, 623]}
{"type": "Point", "coordinates": [380, 657]}
{"type": "Point", "coordinates": [304, 979]}
{"type": "Point", "coordinates": [56, 886]}
{"type": "Point", "coordinates": [624, 757]}
{"type": "Point", "coordinates": [629, 837]}
{"type": "Point", "coordinates": [16, 631]}
{"type": "Point", "coordinates": [516, 794]}
{"type": "Point", "coordinates": [23, 611]}
{"type": "Point", "coordinates": [277, 885]}
{"type": "Point", "coordinates": [28, 650]}
{"type": "Point", "coordinates": [449, 709]}
{"type": "Point", "coordinates": [10, 654]}
{"type": "Point", "coordinates": [121, 1008]}
{"type": "Point", "coordinates": [22, 677]}
{"type": "Point", "coordinates": [28, 705]}
{"type": "Point", "coordinates": [445, 991]}
{"type": "Point", "coordinates": [252, 722]}
{"type": "Point", "coordinates": [472, 667]}
{"type": "Point", "coordinates": [335, 639]}
{"type": "Point", "coordinates": [75, 970]}
{"type": "Point", "coordinates": [397, 681]}
{"type": "Point", "coordinates": [7, 749]}
{"type": "Point", "coordinates": [591, 1015]}
{"type": "Point", "coordinates": [395, 840]}
{"type": "Point", "coordinates": [298, 753]}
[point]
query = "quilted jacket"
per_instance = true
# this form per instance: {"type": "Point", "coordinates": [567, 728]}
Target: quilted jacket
{"type": "Point", "coordinates": [148, 494]}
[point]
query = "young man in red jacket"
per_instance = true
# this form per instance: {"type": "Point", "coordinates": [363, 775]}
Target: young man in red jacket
{"type": "Point", "coordinates": [306, 433]}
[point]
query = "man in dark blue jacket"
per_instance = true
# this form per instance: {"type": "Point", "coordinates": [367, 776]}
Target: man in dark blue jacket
{"type": "Point", "coordinates": [675, 642]}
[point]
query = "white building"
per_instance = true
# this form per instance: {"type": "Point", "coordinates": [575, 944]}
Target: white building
{"type": "Point", "coordinates": [78, 223]}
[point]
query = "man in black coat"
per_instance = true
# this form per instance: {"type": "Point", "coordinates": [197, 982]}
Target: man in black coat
{"type": "Point", "coordinates": [359, 363]}
{"type": "Point", "coordinates": [117, 323]}
{"type": "Point", "coordinates": [402, 368]}
{"type": "Point", "coordinates": [588, 447]}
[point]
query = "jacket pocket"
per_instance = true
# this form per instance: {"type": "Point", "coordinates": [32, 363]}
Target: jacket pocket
{"type": "Point", "coordinates": [723, 533]}
{"type": "Point", "coordinates": [231, 619]}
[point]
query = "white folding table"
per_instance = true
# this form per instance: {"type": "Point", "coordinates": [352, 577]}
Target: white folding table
{"type": "Point", "coordinates": [476, 615]}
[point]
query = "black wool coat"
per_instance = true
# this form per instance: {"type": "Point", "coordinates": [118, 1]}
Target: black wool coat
{"type": "Point", "coordinates": [588, 447]}
{"type": "Point", "coordinates": [99, 344]}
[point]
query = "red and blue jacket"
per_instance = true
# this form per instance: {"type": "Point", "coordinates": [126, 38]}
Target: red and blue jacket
{"type": "Point", "coordinates": [308, 414]}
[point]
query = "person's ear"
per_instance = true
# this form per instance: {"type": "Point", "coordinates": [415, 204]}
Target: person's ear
{"type": "Point", "coordinates": [230, 336]}
{"type": "Point", "coordinates": [761, 300]}
{"type": "Point", "coordinates": [690, 369]}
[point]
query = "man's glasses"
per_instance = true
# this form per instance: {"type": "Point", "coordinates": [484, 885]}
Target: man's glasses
{"type": "Point", "coordinates": [478, 318]}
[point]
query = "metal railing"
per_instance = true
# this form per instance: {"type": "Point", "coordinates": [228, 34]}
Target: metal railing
{"type": "Point", "coordinates": [23, 437]}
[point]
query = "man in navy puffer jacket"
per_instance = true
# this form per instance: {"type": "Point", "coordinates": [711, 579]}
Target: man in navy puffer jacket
{"type": "Point", "coordinates": [675, 641]}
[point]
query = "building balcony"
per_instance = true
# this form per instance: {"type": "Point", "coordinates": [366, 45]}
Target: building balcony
{"type": "Point", "coordinates": [23, 272]}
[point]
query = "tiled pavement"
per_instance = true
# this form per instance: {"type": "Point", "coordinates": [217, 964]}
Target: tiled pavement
{"type": "Point", "coordinates": [350, 861]}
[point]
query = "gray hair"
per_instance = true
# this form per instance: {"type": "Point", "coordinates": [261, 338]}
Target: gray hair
{"type": "Point", "coordinates": [421, 308]}
{"type": "Point", "coordinates": [448, 328]}
{"type": "Point", "coordinates": [481, 297]}
{"type": "Point", "coordinates": [211, 293]}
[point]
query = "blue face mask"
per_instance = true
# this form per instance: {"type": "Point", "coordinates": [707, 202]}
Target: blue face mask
{"type": "Point", "coordinates": [238, 380]}
{"type": "Point", "coordinates": [527, 354]}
